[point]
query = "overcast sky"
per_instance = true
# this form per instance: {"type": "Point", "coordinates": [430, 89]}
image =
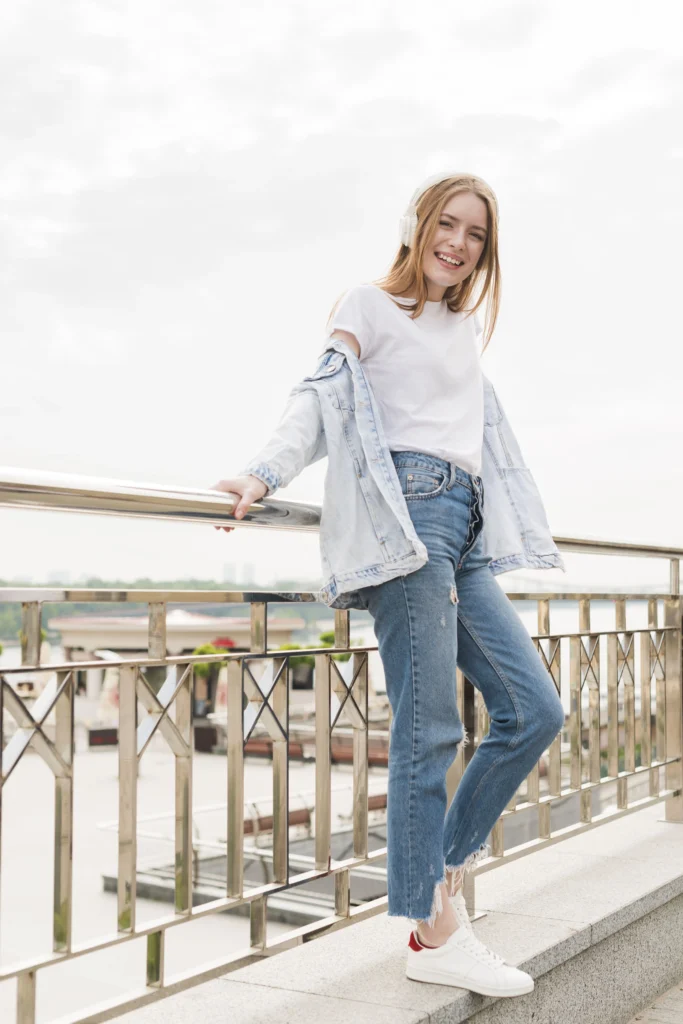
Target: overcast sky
{"type": "Point", "coordinates": [186, 189]}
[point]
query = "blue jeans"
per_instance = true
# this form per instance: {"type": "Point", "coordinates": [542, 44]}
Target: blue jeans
{"type": "Point", "coordinates": [452, 612]}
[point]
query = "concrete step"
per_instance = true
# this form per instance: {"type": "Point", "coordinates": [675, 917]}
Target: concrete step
{"type": "Point", "coordinates": [597, 920]}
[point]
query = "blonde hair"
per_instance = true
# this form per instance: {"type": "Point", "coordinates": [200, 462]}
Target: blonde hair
{"type": "Point", "coordinates": [405, 277]}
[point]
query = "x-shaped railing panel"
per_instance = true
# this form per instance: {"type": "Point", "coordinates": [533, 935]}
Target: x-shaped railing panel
{"type": "Point", "coordinates": [258, 692]}
{"type": "Point", "coordinates": [625, 659]}
{"type": "Point", "coordinates": [30, 731]}
{"type": "Point", "coordinates": [657, 649]}
{"type": "Point", "coordinates": [157, 706]}
{"type": "Point", "coordinates": [342, 699]}
{"type": "Point", "coordinates": [590, 660]}
{"type": "Point", "coordinates": [551, 660]}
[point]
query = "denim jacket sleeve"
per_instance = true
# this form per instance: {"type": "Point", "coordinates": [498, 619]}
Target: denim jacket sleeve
{"type": "Point", "coordinates": [298, 441]}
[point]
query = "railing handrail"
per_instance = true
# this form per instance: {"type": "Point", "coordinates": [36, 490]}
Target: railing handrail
{"type": "Point", "coordinates": [71, 492]}
{"type": "Point", "coordinates": [76, 595]}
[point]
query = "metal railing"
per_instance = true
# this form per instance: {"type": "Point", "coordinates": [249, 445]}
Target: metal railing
{"type": "Point", "coordinates": [642, 698]}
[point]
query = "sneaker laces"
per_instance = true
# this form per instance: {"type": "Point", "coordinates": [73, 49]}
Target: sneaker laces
{"type": "Point", "coordinates": [460, 910]}
{"type": "Point", "coordinates": [476, 947]}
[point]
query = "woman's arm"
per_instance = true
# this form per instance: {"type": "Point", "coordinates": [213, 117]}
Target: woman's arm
{"type": "Point", "coordinates": [298, 441]}
{"type": "Point", "coordinates": [349, 338]}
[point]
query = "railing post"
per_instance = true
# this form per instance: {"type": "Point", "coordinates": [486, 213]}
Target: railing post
{"type": "Point", "coordinates": [258, 921]}
{"type": "Point", "coordinates": [575, 724]}
{"type": "Point", "coordinates": [63, 822]}
{"type": "Point", "coordinates": [360, 758]}
{"type": "Point", "coordinates": [155, 959]}
{"type": "Point", "coordinates": [156, 639]}
{"type": "Point", "coordinates": [26, 997]}
{"type": "Point", "coordinates": [30, 632]}
{"type": "Point", "coordinates": [184, 860]}
{"type": "Point", "coordinates": [279, 701]}
{"type": "Point", "coordinates": [673, 807]}
{"type": "Point", "coordinates": [342, 893]}
{"type": "Point", "coordinates": [235, 778]}
{"type": "Point", "coordinates": [128, 797]}
{"type": "Point", "coordinates": [323, 763]}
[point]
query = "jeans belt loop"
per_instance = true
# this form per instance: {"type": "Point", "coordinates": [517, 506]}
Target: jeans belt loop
{"type": "Point", "coordinates": [451, 478]}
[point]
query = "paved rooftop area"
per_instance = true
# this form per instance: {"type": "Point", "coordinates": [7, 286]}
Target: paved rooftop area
{"type": "Point", "coordinates": [667, 1009]}
{"type": "Point", "coordinates": [27, 870]}
{"type": "Point", "coordinates": [594, 919]}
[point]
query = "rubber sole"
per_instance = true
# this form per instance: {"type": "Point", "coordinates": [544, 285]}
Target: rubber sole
{"type": "Point", "coordinates": [434, 977]}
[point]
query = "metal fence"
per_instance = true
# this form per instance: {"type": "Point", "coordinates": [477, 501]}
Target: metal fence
{"type": "Point", "coordinates": [624, 687]}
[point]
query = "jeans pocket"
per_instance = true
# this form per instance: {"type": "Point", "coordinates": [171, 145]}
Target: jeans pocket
{"type": "Point", "coordinates": [419, 482]}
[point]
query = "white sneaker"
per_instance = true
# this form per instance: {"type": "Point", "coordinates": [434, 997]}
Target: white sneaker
{"type": "Point", "coordinates": [464, 961]}
{"type": "Point", "coordinates": [460, 907]}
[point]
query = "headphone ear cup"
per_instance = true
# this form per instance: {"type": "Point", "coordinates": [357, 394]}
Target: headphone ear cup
{"type": "Point", "coordinates": [402, 231]}
{"type": "Point", "coordinates": [407, 228]}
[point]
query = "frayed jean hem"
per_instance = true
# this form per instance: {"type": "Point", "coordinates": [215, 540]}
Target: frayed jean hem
{"type": "Point", "coordinates": [436, 908]}
{"type": "Point", "coordinates": [457, 872]}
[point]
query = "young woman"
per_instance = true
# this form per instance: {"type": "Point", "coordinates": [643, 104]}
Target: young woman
{"type": "Point", "coordinates": [416, 338]}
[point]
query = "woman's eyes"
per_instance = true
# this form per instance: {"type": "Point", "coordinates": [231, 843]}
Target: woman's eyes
{"type": "Point", "coordinates": [445, 224]}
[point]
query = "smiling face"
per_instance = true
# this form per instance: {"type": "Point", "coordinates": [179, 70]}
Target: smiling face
{"type": "Point", "coordinates": [460, 237]}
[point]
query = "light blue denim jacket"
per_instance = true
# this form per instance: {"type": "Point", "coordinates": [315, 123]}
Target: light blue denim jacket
{"type": "Point", "coordinates": [366, 533]}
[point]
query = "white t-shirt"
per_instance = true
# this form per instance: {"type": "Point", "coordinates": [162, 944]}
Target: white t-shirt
{"type": "Point", "coordinates": [424, 373]}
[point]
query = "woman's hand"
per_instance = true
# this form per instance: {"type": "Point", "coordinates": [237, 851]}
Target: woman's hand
{"type": "Point", "coordinates": [249, 488]}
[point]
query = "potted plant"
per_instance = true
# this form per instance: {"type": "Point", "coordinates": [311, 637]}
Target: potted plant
{"type": "Point", "coordinates": [206, 678]}
{"type": "Point", "coordinates": [206, 674]}
{"type": "Point", "coordinates": [327, 640]}
{"type": "Point", "coordinates": [301, 665]}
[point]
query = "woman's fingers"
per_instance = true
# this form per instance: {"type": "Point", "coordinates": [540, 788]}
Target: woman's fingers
{"type": "Point", "coordinates": [242, 506]}
{"type": "Point", "coordinates": [248, 488]}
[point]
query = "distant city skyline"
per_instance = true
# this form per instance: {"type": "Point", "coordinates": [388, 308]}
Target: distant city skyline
{"type": "Point", "coordinates": [652, 576]}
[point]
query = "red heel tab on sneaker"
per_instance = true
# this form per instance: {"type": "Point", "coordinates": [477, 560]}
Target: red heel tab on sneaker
{"type": "Point", "coordinates": [415, 943]}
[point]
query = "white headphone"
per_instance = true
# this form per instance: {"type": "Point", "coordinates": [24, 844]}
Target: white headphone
{"type": "Point", "coordinates": [407, 225]}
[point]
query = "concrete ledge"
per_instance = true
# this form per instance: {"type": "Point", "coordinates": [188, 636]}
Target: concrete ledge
{"type": "Point", "coordinates": [597, 920]}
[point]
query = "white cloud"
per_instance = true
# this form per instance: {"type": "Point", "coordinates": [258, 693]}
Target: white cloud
{"type": "Point", "coordinates": [186, 189]}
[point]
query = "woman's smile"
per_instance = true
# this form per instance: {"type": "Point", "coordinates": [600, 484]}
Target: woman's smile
{"type": "Point", "coordinates": [444, 263]}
